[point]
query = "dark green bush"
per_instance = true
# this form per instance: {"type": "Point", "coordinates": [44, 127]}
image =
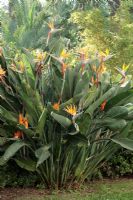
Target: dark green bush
{"type": "Point", "coordinates": [12, 176]}
{"type": "Point", "coordinates": [121, 164]}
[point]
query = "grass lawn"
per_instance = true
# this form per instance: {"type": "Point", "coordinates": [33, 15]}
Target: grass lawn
{"type": "Point", "coordinates": [121, 189]}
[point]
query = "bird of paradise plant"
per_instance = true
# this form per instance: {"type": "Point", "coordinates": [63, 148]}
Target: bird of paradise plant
{"type": "Point", "coordinates": [71, 126]}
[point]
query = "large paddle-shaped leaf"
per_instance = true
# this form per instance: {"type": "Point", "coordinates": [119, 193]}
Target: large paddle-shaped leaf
{"type": "Point", "coordinates": [63, 121]}
{"type": "Point", "coordinates": [124, 142]}
{"type": "Point", "coordinates": [12, 150]}
{"type": "Point", "coordinates": [110, 93]}
{"type": "Point", "coordinates": [41, 122]}
{"type": "Point", "coordinates": [7, 115]}
{"type": "Point", "coordinates": [42, 154]}
{"type": "Point", "coordinates": [29, 164]}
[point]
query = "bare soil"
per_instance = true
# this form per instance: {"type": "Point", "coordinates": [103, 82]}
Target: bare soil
{"type": "Point", "coordinates": [14, 193]}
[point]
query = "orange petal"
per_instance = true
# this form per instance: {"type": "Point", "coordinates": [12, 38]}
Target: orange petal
{"type": "Point", "coordinates": [56, 106]}
{"type": "Point", "coordinates": [26, 124]}
{"type": "Point", "coordinates": [21, 119]}
{"type": "Point", "coordinates": [103, 105]}
{"type": "Point", "coordinates": [18, 134]}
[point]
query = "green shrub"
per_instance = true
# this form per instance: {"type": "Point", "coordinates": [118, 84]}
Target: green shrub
{"type": "Point", "coordinates": [63, 122]}
{"type": "Point", "coordinates": [100, 32]}
{"type": "Point", "coordinates": [121, 164]}
{"type": "Point", "coordinates": [13, 176]}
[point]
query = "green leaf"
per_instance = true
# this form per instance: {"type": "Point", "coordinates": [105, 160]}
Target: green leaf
{"type": "Point", "coordinates": [110, 93]}
{"type": "Point", "coordinates": [41, 122]}
{"type": "Point", "coordinates": [82, 82]}
{"type": "Point", "coordinates": [78, 139]}
{"type": "Point", "coordinates": [9, 116]}
{"type": "Point", "coordinates": [73, 100]}
{"type": "Point", "coordinates": [124, 142]}
{"type": "Point", "coordinates": [111, 123]}
{"type": "Point", "coordinates": [13, 149]}
{"type": "Point", "coordinates": [42, 154]}
{"type": "Point", "coordinates": [130, 115]}
{"type": "Point", "coordinates": [27, 131]}
{"type": "Point", "coordinates": [3, 140]}
{"type": "Point", "coordinates": [119, 99]}
{"type": "Point", "coordinates": [117, 112]}
{"type": "Point", "coordinates": [84, 123]}
{"type": "Point", "coordinates": [69, 83]}
{"type": "Point", "coordinates": [29, 164]}
{"type": "Point", "coordinates": [64, 121]}
{"type": "Point", "coordinates": [92, 95]}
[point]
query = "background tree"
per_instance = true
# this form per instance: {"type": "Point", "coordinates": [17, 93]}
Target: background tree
{"type": "Point", "coordinates": [103, 32]}
{"type": "Point", "coordinates": [25, 23]}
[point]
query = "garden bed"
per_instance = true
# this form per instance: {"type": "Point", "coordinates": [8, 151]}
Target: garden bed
{"type": "Point", "coordinates": [107, 189]}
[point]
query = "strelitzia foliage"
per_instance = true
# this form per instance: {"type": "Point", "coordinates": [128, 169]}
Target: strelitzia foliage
{"type": "Point", "coordinates": [63, 121]}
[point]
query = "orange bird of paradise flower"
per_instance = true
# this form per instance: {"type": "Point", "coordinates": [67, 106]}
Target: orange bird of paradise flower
{"type": "Point", "coordinates": [102, 107]}
{"type": "Point", "coordinates": [52, 30]}
{"type": "Point", "coordinates": [51, 26]}
{"type": "Point", "coordinates": [56, 106]}
{"type": "Point", "coordinates": [95, 81]}
{"type": "Point", "coordinates": [23, 121]}
{"type": "Point", "coordinates": [18, 134]}
{"type": "Point", "coordinates": [63, 68]}
{"type": "Point", "coordinates": [63, 54]}
{"type": "Point", "coordinates": [2, 74]}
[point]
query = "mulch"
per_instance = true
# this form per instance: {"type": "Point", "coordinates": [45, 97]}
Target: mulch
{"type": "Point", "coordinates": [14, 193]}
